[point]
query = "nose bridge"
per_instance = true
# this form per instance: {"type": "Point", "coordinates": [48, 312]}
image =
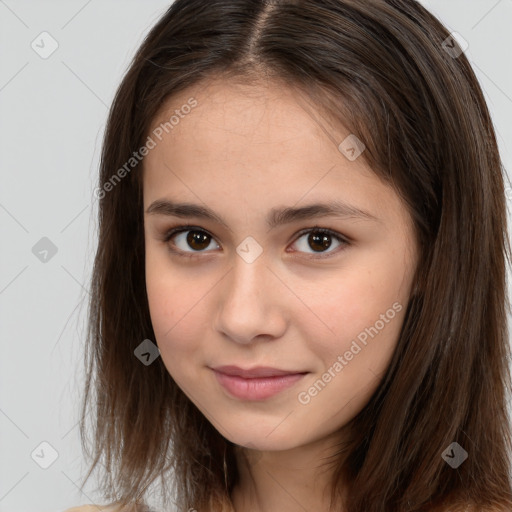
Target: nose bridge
{"type": "Point", "coordinates": [249, 276]}
{"type": "Point", "coordinates": [248, 305]}
{"type": "Point", "coordinates": [250, 268]}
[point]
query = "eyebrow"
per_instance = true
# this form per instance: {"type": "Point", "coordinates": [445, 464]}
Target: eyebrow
{"type": "Point", "coordinates": [276, 216]}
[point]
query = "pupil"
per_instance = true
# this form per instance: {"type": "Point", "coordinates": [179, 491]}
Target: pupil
{"type": "Point", "coordinates": [194, 237]}
{"type": "Point", "coordinates": [321, 239]}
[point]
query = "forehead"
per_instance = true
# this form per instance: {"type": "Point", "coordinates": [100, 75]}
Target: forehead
{"type": "Point", "coordinates": [257, 146]}
{"type": "Point", "coordinates": [235, 117]}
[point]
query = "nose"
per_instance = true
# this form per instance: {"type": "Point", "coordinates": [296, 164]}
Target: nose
{"type": "Point", "coordinates": [251, 303]}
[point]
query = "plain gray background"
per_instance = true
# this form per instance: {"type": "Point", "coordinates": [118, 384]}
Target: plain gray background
{"type": "Point", "coordinates": [53, 112]}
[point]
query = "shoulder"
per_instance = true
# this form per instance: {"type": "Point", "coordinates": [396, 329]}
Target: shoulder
{"type": "Point", "coordinates": [471, 508]}
{"type": "Point", "coordinates": [103, 508]}
{"type": "Point", "coordinates": [91, 508]}
{"type": "Point", "coordinates": [86, 508]}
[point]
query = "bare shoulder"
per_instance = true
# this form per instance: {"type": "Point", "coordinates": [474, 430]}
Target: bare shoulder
{"type": "Point", "coordinates": [472, 508]}
{"type": "Point", "coordinates": [86, 508]}
{"type": "Point", "coordinates": [102, 508]}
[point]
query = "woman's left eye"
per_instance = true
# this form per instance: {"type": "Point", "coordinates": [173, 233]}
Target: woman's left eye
{"type": "Point", "coordinates": [319, 239]}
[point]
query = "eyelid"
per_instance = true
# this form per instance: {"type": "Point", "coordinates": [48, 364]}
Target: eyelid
{"type": "Point", "coordinates": [180, 228]}
{"type": "Point", "coordinates": [328, 231]}
{"type": "Point", "coordinates": [343, 239]}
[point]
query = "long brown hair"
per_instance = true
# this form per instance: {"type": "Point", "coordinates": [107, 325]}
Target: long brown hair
{"type": "Point", "coordinates": [390, 72]}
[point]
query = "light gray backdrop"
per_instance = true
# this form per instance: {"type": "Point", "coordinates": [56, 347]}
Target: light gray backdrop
{"type": "Point", "coordinates": [61, 62]}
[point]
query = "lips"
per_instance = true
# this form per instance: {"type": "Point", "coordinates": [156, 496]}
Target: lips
{"type": "Point", "coordinates": [258, 383]}
{"type": "Point", "coordinates": [257, 372]}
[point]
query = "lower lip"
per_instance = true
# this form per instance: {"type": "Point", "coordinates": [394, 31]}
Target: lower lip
{"type": "Point", "coordinates": [256, 388]}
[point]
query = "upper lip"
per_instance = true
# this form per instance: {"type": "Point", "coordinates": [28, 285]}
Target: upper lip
{"type": "Point", "coordinates": [258, 371]}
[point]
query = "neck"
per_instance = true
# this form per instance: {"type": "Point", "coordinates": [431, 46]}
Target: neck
{"type": "Point", "coordinates": [287, 481]}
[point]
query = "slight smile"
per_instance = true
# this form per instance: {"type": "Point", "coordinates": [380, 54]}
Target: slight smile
{"type": "Point", "coordinates": [257, 383]}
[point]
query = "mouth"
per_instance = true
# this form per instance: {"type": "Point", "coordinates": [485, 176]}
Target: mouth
{"type": "Point", "coordinates": [257, 383]}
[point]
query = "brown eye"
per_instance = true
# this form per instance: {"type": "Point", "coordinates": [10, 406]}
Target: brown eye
{"type": "Point", "coordinates": [319, 240]}
{"type": "Point", "coordinates": [198, 240]}
{"type": "Point", "coordinates": [188, 240]}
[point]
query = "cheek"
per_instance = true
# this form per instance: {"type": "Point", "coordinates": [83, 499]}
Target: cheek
{"type": "Point", "coordinates": [362, 312]}
{"type": "Point", "coordinates": [176, 307]}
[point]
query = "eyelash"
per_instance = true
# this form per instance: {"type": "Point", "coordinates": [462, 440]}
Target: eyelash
{"type": "Point", "coordinates": [316, 229]}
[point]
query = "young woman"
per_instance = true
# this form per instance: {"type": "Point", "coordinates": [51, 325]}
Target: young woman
{"type": "Point", "coordinates": [298, 300]}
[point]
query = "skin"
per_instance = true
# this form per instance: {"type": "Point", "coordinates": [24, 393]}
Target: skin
{"type": "Point", "coordinates": [243, 151]}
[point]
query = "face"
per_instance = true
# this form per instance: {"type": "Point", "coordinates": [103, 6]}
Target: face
{"type": "Point", "coordinates": [256, 275]}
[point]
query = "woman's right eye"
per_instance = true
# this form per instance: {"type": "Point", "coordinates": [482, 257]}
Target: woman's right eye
{"type": "Point", "coordinates": [188, 236]}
